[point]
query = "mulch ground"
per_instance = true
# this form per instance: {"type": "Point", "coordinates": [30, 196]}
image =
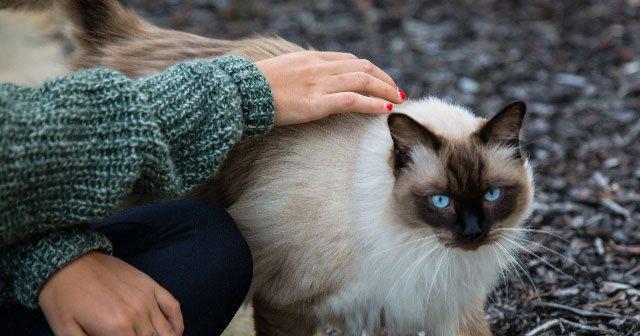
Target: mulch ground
{"type": "Point", "coordinates": [577, 65]}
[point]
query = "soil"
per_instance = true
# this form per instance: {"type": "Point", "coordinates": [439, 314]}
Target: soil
{"type": "Point", "coordinates": [575, 63]}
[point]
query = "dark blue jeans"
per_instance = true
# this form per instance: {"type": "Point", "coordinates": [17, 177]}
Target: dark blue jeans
{"type": "Point", "coordinates": [191, 248]}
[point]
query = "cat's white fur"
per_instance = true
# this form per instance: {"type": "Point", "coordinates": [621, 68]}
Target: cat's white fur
{"type": "Point", "coordinates": [343, 209]}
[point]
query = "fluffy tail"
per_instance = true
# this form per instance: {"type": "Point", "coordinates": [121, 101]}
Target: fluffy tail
{"type": "Point", "coordinates": [108, 35]}
{"type": "Point", "coordinates": [26, 4]}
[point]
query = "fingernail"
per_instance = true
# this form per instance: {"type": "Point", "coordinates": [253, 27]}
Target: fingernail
{"type": "Point", "coordinates": [389, 107]}
{"type": "Point", "coordinates": [403, 94]}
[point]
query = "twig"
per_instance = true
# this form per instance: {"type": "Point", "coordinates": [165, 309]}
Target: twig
{"type": "Point", "coordinates": [615, 208]}
{"type": "Point", "coordinates": [633, 270]}
{"type": "Point", "coordinates": [576, 311]}
{"type": "Point", "coordinates": [543, 327]}
{"type": "Point", "coordinates": [627, 249]}
{"type": "Point", "coordinates": [552, 323]}
{"type": "Point", "coordinates": [631, 136]}
{"type": "Point", "coordinates": [579, 325]}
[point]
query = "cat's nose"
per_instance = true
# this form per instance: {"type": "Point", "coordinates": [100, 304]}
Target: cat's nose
{"type": "Point", "coordinates": [472, 231]}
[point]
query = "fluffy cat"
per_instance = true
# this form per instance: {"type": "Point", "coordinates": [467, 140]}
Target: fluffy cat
{"type": "Point", "coordinates": [358, 222]}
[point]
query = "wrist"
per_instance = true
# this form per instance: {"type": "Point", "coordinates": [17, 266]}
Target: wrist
{"type": "Point", "coordinates": [257, 102]}
{"type": "Point", "coordinates": [33, 263]}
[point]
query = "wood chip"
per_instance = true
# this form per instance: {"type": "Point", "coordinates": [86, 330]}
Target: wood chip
{"type": "Point", "coordinates": [615, 208]}
{"type": "Point", "coordinates": [559, 321]}
{"type": "Point", "coordinates": [575, 310]}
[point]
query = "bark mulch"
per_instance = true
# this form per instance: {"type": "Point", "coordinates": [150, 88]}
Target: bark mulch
{"type": "Point", "coordinates": [577, 65]}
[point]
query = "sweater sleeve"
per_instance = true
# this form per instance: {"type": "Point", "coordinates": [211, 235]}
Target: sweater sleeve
{"type": "Point", "coordinates": [73, 149]}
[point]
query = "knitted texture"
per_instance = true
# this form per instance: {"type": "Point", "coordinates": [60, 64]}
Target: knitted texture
{"type": "Point", "coordinates": [73, 149]}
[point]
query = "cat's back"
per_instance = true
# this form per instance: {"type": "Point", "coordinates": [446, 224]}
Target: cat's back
{"type": "Point", "coordinates": [302, 167]}
{"type": "Point", "coordinates": [289, 192]}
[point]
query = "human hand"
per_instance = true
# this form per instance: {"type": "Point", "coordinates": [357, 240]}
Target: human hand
{"type": "Point", "coordinates": [311, 85]}
{"type": "Point", "coordinates": [98, 294]}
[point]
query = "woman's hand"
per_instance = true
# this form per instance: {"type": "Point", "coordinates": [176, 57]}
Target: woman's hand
{"type": "Point", "coordinates": [310, 85]}
{"type": "Point", "coordinates": [98, 294]}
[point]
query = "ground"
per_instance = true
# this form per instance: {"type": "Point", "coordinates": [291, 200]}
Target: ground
{"type": "Point", "coordinates": [575, 63]}
{"type": "Point", "coordinates": [577, 66]}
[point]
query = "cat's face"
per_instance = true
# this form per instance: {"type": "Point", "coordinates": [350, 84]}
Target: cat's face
{"type": "Point", "coordinates": [464, 189]}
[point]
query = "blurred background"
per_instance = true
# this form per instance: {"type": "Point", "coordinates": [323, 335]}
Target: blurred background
{"type": "Point", "coordinates": [575, 63]}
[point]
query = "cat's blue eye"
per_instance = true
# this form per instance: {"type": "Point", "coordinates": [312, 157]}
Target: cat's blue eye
{"type": "Point", "coordinates": [493, 194]}
{"type": "Point", "coordinates": [440, 201]}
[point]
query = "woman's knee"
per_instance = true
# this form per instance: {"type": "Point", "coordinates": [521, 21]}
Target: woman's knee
{"type": "Point", "coordinates": [224, 250]}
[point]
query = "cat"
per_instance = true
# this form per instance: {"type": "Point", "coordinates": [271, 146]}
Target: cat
{"type": "Point", "coordinates": [358, 222]}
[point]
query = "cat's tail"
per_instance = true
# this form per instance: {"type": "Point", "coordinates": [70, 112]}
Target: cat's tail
{"type": "Point", "coordinates": [108, 35]}
{"type": "Point", "coordinates": [26, 4]}
{"type": "Point", "coordinates": [98, 28]}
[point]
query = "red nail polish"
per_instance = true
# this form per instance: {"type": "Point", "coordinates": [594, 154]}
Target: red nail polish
{"type": "Point", "coordinates": [403, 94]}
{"type": "Point", "coordinates": [389, 106]}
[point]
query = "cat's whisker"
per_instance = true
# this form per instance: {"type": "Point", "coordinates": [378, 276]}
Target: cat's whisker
{"type": "Point", "coordinates": [468, 271]}
{"type": "Point", "coordinates": [432, 237]}
{"type": "Point", "coordinates": [445, 271]}
{"type": "Point", "coordinates": [523, 248]}
{"type": "Point", "coordinates": [535, 231]}
{"type": "Point", "coordinates": [412, 266]}
{"type": "Point", "coordinates": [420, 260]}
{"type": "Point", "coordinates": [441, 261]}
{"type": "Point", "coordinates": [504, 268]}
{"type": "Point", "coordinates": [435, 274]}
{"type": "Point", "coordinates": [526, 144]}
{"type": "Point", "coordinates": [503, 265]}
{"type": "Point", "coordinates": [424, 242]}
{"type": "Point", "coordinates": [518, 265]}
{"type": "Point", "coordinates": [428, 254]}
{"type": "Point", "coordinates": [582, 268]}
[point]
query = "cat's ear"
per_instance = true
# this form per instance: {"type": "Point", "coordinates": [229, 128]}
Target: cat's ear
{"type": "Point", "coordinates": [504, 127]}
{"type": "Point", "coordinates": [407, 134]}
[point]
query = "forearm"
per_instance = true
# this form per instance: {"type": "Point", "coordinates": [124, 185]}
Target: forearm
{"type": "Point", "coordinates": [71, 151]}
{"type": "Point", "coordinates": [233, 101]}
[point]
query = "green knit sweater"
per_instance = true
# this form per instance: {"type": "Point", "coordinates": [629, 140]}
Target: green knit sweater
{"type": "Point", "coordinates": [73, 149]}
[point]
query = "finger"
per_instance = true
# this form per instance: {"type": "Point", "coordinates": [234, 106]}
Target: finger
{"type": "Point", "coordinates": [351, 102]}
{"type": "Point", "coordinates": [363, 83]}
{"type": "Point", "coordinates": [160, 323]}
{"type": "Point", "coordinates": [360, 65]}
{"type": "Point", "coordinates": [170, 308]}
{"type": "Point", "coordinates": [336, 56]}
{"type": "Point", "coordinates": [72, 329]}
{"type": "Point", "coordinates": [144, 327]}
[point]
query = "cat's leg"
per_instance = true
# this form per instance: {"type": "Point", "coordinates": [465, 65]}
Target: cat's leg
{"type": "Point", "coordinates": [271, 321]}
{"type": "Point", "coordinates": [474, 322]}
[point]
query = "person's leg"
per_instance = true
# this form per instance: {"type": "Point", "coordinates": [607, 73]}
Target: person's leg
{"type": "Point", "coordinates": [191, 248]}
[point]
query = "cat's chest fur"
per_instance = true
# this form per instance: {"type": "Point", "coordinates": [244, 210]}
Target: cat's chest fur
{"type": "Point", "coordinates": [407, 291]}
{"type": "Point", "coordinates": [324, 229]}
{"type": "Point", "coordinates": [402, 280]}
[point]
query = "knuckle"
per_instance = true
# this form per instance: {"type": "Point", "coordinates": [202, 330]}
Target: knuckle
{"type": "Point", "coordinates": [66, 330]}
{"type": "Point", "coordinates": [175, 306]}
{"type": "Point", "coordinates": [309, 85]}
{"type": "Point", "coordinates": [138, 310]}
{"type": "Point", "coordinates": [366, 66]}
{"type": "Point", "coordinates": [349, 99]}
{"type": "Point", "coordinates": [363, 79]}
{"type": "Point", "coordinates": [350, 55]}
{"type": "Point", "coordinates": [122, 321]}
{"type": "Point", "coordinates": [119, 325]}
{"type": "Point", "coordinates": [179, 329]}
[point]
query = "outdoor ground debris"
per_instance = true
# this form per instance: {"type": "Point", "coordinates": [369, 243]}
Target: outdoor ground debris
{"type": "Point", "coordinates": [577, 66]}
